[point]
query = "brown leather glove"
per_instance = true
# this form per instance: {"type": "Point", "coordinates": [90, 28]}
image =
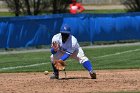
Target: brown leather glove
{"type": "Point", "coordinates": [59, 64]}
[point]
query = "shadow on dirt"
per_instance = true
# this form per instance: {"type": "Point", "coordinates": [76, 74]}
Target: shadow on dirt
{"type": "Point", "coordinates": [69, 78]}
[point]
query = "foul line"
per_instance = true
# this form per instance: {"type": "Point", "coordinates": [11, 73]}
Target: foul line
{"type": "Point", "coordinates": [118, 53]}
{"type": "Point", "coordinates": [17, 67]}
{"type": "Point", "coordinates": [10, 68]}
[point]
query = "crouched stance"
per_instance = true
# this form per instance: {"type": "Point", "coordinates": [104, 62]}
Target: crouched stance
{"type": "Point", "coordinates": [65, 45]}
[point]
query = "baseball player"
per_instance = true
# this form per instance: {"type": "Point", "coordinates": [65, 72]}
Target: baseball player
{"type": "Point", "coordinates": [76, 7]}
{"type": "Point", "coordinates": [65, 45]}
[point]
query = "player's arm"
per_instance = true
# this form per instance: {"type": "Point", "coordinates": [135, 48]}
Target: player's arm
{"type": "Point", "coordinates": [69, 52]}
{"type": "Point", "coordinates": [53, 51]}
{"type": "Point", "coordinates": [55, 45]}
{"type": "Point", "coordinates": [65, 56]}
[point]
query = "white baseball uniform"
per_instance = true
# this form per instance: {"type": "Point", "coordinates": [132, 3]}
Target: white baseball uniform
{"type": "Point", "coordinates": [71, 47]}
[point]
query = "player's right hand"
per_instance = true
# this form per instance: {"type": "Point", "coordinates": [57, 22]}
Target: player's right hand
{"type": "Point", "coordinates": [55, 46]}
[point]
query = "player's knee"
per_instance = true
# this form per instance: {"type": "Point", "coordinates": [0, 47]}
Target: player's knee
{"type": "Point", "coordinates": [83, 59]}
{"type": "Point", "coordinates": [51, 58]}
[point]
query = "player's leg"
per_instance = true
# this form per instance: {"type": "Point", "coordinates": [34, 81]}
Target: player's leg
{"type": "Point", "coordinates": [87, 64]}
{"type": "Point", "coordinates": [80, 56]}
{"type": "Point", "coordinates": [55, 71]}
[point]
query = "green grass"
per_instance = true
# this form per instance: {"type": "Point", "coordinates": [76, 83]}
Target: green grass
{"type": "Point", "coordinates": [101, 58]}
{"type": "Point", "coordinates": [106, 11]}
{"type": "Point", "coordinates": [123, 60]}
{"type": "Point", "coordinates": [5, 14]}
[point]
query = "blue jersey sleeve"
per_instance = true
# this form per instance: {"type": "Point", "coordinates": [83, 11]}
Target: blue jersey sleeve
{"type": "Point", "coordinates": [65, 56]}
{"type": "Point", "coordinates": [52, 51]}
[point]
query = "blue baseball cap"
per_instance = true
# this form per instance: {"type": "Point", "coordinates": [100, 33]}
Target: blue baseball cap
{"type": "Point", "coordinates": [65, 29]}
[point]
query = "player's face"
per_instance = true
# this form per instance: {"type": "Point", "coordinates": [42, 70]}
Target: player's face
{"type": "Point", "coordinates": [64, 37]}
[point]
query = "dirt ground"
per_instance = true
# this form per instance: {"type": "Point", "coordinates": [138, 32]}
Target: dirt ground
{"type": "Point", "coordinates": [75, 82]}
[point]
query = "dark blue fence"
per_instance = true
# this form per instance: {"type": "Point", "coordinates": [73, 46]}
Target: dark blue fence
{"type": "Point", "coordinates": [39, 30]}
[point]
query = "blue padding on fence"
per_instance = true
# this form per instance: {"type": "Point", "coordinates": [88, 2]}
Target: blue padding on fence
{"type": "Point", "coordinates": [38, 30]}
{"type": "Point", "coordinates": [28, 31]}
{"type": "Point", "coordinates": [115, 27]}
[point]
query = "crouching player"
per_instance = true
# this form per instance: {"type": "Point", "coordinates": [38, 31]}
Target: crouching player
{"type": "Point", "coordinates": [65, 45]}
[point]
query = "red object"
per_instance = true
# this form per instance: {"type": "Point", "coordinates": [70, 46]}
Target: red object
{"type": "Point", "coordinates": [76, 8]}
{"type": "Point", "coordinates": [73, 0]}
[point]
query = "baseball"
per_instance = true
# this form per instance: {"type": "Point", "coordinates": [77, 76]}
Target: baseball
{"type": "Point", "coordinates": [46, 72]}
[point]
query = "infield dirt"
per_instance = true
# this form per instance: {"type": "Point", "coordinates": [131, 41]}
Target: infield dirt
{"type": "Point", "coordinates": [75, 82]}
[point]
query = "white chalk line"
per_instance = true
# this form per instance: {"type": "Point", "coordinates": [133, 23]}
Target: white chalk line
{"type": "Point", "coordinates": [17, 67]}
{"type": "Point", "coordinates": [9, 61]}
{"type": "Point", "coordinates": [118, 53]}
{"type": "Point", "coordinates": [33, 65]}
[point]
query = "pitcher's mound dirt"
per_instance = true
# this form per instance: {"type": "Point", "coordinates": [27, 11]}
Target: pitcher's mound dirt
{"type": "Point", "coordinates": [76, 81]}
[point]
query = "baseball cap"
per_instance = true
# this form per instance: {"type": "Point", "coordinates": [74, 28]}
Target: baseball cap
{"type": "Point", "coordinates": [65, 29]}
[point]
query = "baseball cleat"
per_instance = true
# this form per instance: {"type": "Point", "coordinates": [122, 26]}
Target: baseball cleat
{"type": "Point", "coordinates": [93, 75]}
{"type": "Point", "coordinates": [54, 76]}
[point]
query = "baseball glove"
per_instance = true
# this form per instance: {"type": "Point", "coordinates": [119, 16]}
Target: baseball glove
{"type": "Point", "coordinates": [59, 64]}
